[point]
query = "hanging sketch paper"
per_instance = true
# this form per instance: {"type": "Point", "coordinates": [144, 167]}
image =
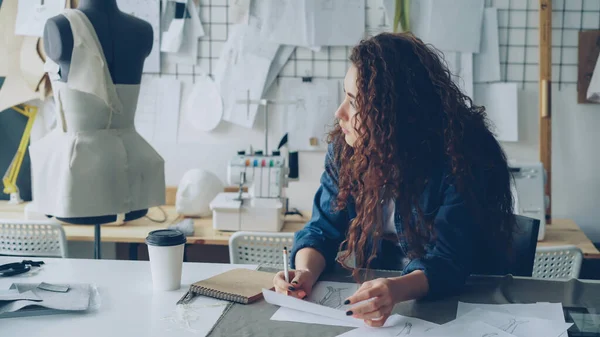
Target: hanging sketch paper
{"type": "Point", "coordinates": [448, 34]}
{"type": "Point", "coordinates": [515, 325]}
{"type": "Point", "coordinates": [149, 11]}
{"type": "Point", "coordinates": [502, 105]}
{"type": "Point", "coordinates": [313, 23]}
{"type": "Point", "coordinates": [242, 71]}
{"type": "Point", "coordinates": [281, 57]}
{"type": "Point", "coordinates": [396, 325]}
{"type": "Point", "coordinates": [157, 113]}
{"type": "Point", "coordinates": [486, 63]}
{"type": "Point", "coordinates": [336, 22]}
{"type": "Point", "coordinates": [461, 67]}
{"type": "Point", "coordinates": [542, 310]}
{"type": "Point", "coordinates": [32, 15]}
{"type": "Point", "coordinates": [308, 121]}
{"type": "Point", "coordinates": [203, 108]}
{"type": "Point", "coordinates": [285, 22]}
{"type": "Point", "coordinates": [188, 50]}
{"type": "Point", "coordinates": [239, 10]}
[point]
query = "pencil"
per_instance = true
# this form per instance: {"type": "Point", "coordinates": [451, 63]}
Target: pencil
{"type": "Point", "coordinates": [286, 270]}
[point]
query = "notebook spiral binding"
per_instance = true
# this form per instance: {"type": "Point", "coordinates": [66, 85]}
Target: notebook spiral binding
{"type": "Point", "coordinates": [218, 294]}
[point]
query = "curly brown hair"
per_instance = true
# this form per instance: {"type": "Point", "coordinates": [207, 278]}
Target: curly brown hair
{"type": "Point", "coordinates": [413, 119]}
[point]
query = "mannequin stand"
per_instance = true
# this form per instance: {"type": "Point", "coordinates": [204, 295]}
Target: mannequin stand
{"type": "Point", "coordinates": [97, 222]}
{"type": "Point", "coordinates": [97, 242]}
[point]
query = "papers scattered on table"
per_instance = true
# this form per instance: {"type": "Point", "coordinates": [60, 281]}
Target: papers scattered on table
{"type": "Point", "coordinates": [325, 306]}
{"type": "Point", "coordinates": [467, 329]}
{"type": "Point", "coordinates": [542, 310]}
{"type": "Point", "coordinates": [157, 113]}
{"type": "Point", "coordinates": [149, 11]}
{"type": "Point", "coordinates": [396, 325]}
{"type": "Point", "coordinates": [519, 326]}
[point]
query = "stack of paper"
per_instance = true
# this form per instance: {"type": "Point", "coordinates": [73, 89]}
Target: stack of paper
{"type": "Point", "coordinates": [325, 306]}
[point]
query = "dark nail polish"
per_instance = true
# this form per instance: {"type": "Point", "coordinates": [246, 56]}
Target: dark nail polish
{"type": "Point", "coordinates": [294, 282]}
{"type": "Point", "coordinates": [292, 288]}
{"type": "Point", "coordinates": [346, 302]}
{"type": "Point", "coordinates": [349, 313]}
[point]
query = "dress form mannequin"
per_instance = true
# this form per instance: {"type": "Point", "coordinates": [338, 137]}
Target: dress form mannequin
{"type": "Point", "coordinates": [126, 42]}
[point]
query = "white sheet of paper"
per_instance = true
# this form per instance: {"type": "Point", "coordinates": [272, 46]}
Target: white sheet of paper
{"type": "Point", "coordinates": [542, 310]}
{"type": "Point", "coordinates": [336, 22]}
{"type": "Point", "coordinates": [593, 91]}
{"type": "Point", "coordinates": [466, 329]}
{"type": "Point", "coordinates": [242, 71]}
{"type": "Point", "coordinates": [332, 294]}
{"type": "Point", "coordinates": [32, 15]}
{"type": "Point", "coordinates": [192, 31]}
{"type": "Point", "coordinates": [420, 18]}
{"type": "Point", "coordinates": [281, 57]}
{"type": "Point", "coordinates": [172, 38]}
{"type": "Point", "coordinates": [515, 325]}
{"type": "Point", "coordinates": [486, 63]}
{"type": "Point", "coordinates": [239, 11]}
{"type": "Point", "coordinates": [307, 306]}
{"type": "Point", "coordinates": [502, 105]}
{"type": "Point", "coordinates": [157, 113]}
{"type": "Point", "coordinates": [203, 108]}
{"type": "Point", "coordinates": [308, 121]}
{"type": "Point", "coordinates": [461, 67]}
{"type": "Point", "coordinates": [149, 11]}
{"type": "Point", "coordinates": [285, 22]}
{"type": "Point", "coordinates": [290, 315]}
{"type": "Point", "coordinates": [396, 325]}
{"type": "Point", "coordinates": [448, 34]}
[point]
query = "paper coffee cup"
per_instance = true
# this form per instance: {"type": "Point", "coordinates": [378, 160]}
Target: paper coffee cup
{"type": "Point", "coordinates": [165, 249]}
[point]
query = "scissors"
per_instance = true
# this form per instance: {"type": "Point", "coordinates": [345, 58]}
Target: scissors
{"type": "Point", "coordinates": [16, 268]}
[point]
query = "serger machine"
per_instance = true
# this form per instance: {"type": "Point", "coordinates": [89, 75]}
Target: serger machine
{"type": "Point", "coordinates": [263, 206]}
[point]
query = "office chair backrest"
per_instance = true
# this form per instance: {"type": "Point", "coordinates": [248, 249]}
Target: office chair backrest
{"type": "Point", "coordinates": [524, 245]}
{"type": "Point", "coordinates": [32, 238]}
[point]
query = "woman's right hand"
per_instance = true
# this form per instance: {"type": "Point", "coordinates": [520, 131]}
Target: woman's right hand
{"type": "Point", "coordinates": [300, 285]}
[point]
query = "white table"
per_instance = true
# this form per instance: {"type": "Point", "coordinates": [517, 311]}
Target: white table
{"type": "Point", "coordinates": [129, 306]}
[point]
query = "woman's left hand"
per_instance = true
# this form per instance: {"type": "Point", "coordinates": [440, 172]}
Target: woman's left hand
{"type": "Point", "coordinates": [381, 301]}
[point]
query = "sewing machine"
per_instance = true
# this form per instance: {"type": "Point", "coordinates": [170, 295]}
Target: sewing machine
{"type": "Point", "coordinates": [528, 192]}
{"type": "Point", "coordinates": [263, 207]}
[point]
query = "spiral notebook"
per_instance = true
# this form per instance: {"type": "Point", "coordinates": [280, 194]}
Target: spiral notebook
{"type": "Point", "coordinates": [237, 285]}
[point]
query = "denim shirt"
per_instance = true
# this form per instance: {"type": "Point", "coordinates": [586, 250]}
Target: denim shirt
{"type": "Point", "coordinates": [447, 261]}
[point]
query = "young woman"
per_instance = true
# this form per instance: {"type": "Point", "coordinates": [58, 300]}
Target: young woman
{"type": "Point", "coordinates": [414, 180]}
